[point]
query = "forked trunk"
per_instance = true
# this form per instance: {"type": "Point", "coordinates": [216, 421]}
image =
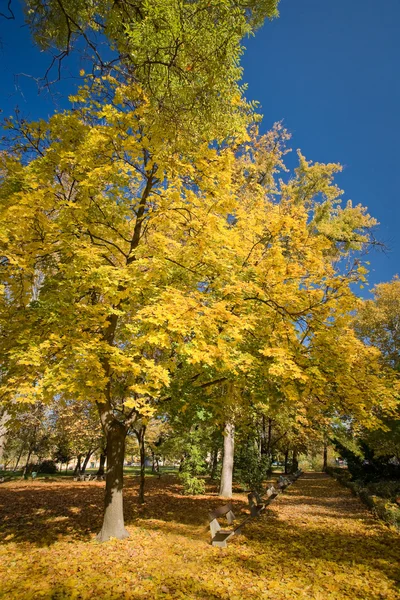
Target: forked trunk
{"type": "Point", "coordinates": [77, 470]}
{"type": "Point", "coordinates": [227, 462]}
{"type": "Point", "coordinates": [87, 458]}
{"type": "Point", "coordinates": [113, 522]}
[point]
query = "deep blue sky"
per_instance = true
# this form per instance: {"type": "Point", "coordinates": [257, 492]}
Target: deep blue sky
{"type": "Point", "coordinates": [329, 69]}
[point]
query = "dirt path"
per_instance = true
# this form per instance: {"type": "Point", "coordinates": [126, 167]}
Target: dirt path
{"type": "Point", "coordinates": [315, 542]}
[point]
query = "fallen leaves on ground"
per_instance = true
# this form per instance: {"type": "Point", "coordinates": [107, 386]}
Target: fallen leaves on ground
{"type": "Point", "coordinates": [316, 541]}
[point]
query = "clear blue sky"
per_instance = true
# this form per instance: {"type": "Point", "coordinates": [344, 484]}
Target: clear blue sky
{"type": "Point", "coordinates": [329, 69]}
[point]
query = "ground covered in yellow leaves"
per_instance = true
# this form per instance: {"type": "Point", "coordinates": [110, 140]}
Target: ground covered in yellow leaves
{"type": "Point", "coordinates": [315, 542]}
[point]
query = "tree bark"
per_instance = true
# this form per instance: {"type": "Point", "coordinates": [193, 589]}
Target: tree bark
{"type": "Point", "coordinates": [263, 440]}
{"type": "Point", "coordinates": [113, 522]}
{"type": "Point", "coordinates": [27, 463]}
{"type": "Point", "coordinates": [18, 459]}
{"type": "Point", "coordinates": [295, 463]}
{"type": "Point", "coordinates": [77, 470]}
{"type": "Point", "coordinates": [87, 458]}
{"type": "Point", "coordinates": [140, 434]}
{"type": "Point", "coordinates": [214, 463]}
{"type": "Point", "coordinates": [286, 460]}
{"type": "Point", "coordinates": [103, 457]}
{"type": "Point", "coordinates": [227, 463]}
{"type": "Point", "coordinates": [324, 468]}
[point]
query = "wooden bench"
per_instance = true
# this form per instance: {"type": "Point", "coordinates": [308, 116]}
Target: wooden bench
{"type": "Point", "coordinates": [257, 503]}
{"type": "Point", "coordinates": [219, 536]}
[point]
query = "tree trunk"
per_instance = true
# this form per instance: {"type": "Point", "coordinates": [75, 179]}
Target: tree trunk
{"type": "Point", "coordinates": [181, 463]}
{"type": "Point", "coordinates": [27, 463]}
{"type": "Point", "coordinates": [103, 457]}
{"type": "Point", "coordinates": [18, 459]}
{"type": "Point", "coordinates": [295, 464]}
{"type": "Point", "coordinates": [263, 440]}
{"type": "Point", "coordinates": [140, 434]}
{"type": "Point", "coordinates": [113, 522]}
{"type": "Point", "coordinates": [269, 438]}
{"type": "Point", "coordinates": [214, 463]}
{"type": "Point", "coordinates": [324, 468]}
{"type": "Point", "coordinates": [77, 470]}
{"type": "Point", "coordinates": [286, 460]}
{"type": "Point", "coordinates": [227, 463]}
{"type": "Point", "coordinates": [87, 458]}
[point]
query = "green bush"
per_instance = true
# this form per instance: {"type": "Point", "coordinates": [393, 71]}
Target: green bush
{"type": "Point", "coordinates": [250, 468]}
{"type": "Point", "coordinates": [48, 466]}
{"type": "Point", "coordinates": [192, 485]}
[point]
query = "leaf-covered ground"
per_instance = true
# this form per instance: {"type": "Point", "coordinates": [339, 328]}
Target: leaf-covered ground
{"type": "Point", "coordinates": [315, 542]}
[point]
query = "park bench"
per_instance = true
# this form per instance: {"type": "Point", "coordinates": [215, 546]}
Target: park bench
{"type": "Point", "coordinates": [89, 477]}
{"type": "Point", "coordinates": [257, 503]}
{"type": "Point", "coordinates": [283, 482]}
{"type": "Point", "coordinates": [219, 536]}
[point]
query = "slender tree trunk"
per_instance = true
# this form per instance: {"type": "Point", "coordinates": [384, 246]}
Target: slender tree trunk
{"type": "Point", "coordinates": [324, 468]}
{"type": "Point", "coordinates": [286, 460]}
{"type": "Point", "coordinates": [269, 437]}
{"type": "Point", "coordinates": [103, 457]}
{"type": "Point", "coordinates": [77, 470]}
{"type": "Point", "coordinates": [227, 463]}
{"type": "Point", "coordinates": [87, 458]}
{"type": "Point", "coordinates": [27, 463]}
{"type": "Point", "coordinates": [113, 522]}
{"type": "Point", "coordinates": [140, 434]}
{"type": "Point", "coordinates": [263, 440]}
{"type": "Point", "coordinates": [18, 459]}
{"type": "Point", "coordinates": [295, 463]}
{"type": "Point", "coordinates": [214, 463]}
{"type": "Point", "coordinates": [181, 463]}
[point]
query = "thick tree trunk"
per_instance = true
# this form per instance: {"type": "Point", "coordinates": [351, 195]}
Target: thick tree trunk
{"type": "Point", "coordinates": [227, 463]}
{"type": "Point", "coordinates": [87, 458]}
{"type": "Point", "coordinates": [286, 460]}
{"type": "Point", "coordinates": [113, 522]}
{"type": "Point", "coordinates": [325, 457]}
{"type": "Point", "coordinates": [103, 457]}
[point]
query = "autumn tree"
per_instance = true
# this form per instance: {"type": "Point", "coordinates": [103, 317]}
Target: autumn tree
{"type": "Point", "coordinates": [377, 323]}
{"type": "Point", "coordinates": [76, 431]}
{"type": "Point", "coordinates": [120, 160]}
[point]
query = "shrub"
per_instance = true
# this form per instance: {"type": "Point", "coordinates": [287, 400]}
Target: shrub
{"type": "Point", "coordinates": [250, 468]}
{"type": "Point", "coordinates": [192, 485]}
{"type": "Point", "coordinates": [48, 466]}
